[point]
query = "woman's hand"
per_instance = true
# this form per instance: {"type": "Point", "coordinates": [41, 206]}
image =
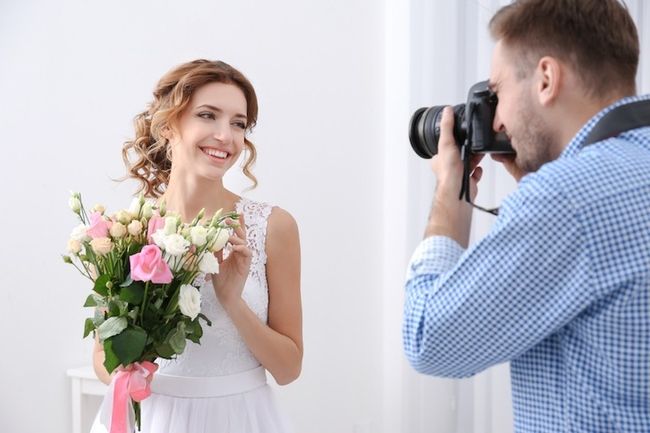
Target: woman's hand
{"type": "Point", "coordinates": [233, 271]}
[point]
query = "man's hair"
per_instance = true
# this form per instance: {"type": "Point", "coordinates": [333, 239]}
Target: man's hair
{"type": "Point", "coordinates": [597, 38]}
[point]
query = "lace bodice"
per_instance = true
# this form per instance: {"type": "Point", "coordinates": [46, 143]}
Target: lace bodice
{"type": "Point", "coordinates": [222, 351]}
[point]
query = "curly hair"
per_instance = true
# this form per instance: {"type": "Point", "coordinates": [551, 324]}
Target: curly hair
{"type": "Point", "coordinates": [148, 156]}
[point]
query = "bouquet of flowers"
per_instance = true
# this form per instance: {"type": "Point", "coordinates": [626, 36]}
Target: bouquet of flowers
{"type": "Point", "coordinates": [144, 264]}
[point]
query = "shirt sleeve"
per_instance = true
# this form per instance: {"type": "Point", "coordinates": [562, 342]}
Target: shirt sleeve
{"type": "Point", "coordinates": [468, 310]}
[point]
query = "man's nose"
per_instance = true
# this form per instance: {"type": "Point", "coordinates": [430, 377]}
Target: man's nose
{"type": "Point", "coordinates": [497, 125]}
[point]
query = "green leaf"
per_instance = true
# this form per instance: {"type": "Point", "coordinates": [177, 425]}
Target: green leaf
{"type": "Point", "coordinates": [129, 344]}
{"type": "Point", "coordinates": [90, 301]}
{"type": "Point", "coordinates": [195, 331]}
{"type": "Point", "coordinates": [177, 338]}
{"type": "Point", "coordinates": [133, 294]}
{"type": "Point", "coordinates": [110, 359]}
{"type": "Point", "coordinates": [100, 284]}
{"type": "Point", "coordinates": [89, 326]}
{"type": "Point", "coordinates": [165, 351]}
{"type": "Point", "coordinates": [112, 326]}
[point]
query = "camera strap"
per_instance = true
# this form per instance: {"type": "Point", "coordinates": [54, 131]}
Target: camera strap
{"type": "Point", "coordinates": [619, 120]}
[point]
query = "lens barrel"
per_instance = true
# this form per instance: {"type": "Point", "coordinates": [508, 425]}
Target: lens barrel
{"type": "Point", "coordinates": [424, 129]}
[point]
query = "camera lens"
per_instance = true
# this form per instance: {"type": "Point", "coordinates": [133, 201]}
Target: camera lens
{"type": "Point", "coordinates": [424, 129]}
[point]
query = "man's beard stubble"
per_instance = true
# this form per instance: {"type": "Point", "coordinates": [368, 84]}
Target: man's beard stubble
{"type": "Point", "coordinates": [534, 140]}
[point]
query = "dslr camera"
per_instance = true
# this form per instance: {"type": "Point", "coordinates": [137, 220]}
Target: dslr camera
{"type": "Point", "coordinates": [473, 131]}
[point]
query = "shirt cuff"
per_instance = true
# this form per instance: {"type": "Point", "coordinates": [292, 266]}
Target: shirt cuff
{"type": "Point", "coordinates": [435, 255]}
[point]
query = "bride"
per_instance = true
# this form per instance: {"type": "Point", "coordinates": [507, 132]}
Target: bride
{"type": "Point", "coordinates": [193, 132]}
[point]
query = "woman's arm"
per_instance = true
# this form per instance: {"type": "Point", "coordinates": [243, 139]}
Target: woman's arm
{"type": "Point", "coordinates": [278, 345]}
{"type": "Point", "coordinates": [98, 362]}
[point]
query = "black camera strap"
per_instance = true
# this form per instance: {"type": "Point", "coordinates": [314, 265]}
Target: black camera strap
{"type": "Point", "coordinates": [619, 120]}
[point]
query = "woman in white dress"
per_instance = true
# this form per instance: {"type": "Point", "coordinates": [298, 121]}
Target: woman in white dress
{"type": "Point", "coordinates": [193, 132]}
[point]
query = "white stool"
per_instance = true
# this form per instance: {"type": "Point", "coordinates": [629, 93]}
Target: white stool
{"type": "Point", "coordinates": [84, 382]}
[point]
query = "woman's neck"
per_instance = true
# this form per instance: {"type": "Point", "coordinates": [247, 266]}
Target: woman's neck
{"type": "Point", "coordinates": [189, 196]}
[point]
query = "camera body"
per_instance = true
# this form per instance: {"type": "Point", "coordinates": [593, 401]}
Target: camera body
{"type": "Point", "coordinates": [472, 125]}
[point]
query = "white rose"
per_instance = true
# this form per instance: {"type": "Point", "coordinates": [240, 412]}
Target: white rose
{"type": "Point", "coordinates": [135, 228]}
{"type": "Point", "coordinates": [74, 246]}
{"type": "Point", "coordinates": [209, 264]}
{"type": "Point", "coordinates": [134, 208]}
{"type": "Point", "coordinates": [199, 235]}
{"type": "Point", "coordinates": [189, 301]}
{"type": "Point", "coordinates": [222, 237]}
{"type": "Point", "coordinates": [79, 233]}
{"type": "Point", "coordinates": [159, 238]}
{"type": "Point", "coordinates": [117, 230]}
{"type": "Point", "coordinates": [171, 224]}
{"type": "Point", "coordinates": [176, 245]}
{"type": "Point", "coordinates": [101, 246]}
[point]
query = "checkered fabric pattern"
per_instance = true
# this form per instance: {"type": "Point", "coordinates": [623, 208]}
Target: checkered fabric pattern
{"type": "Point", "coordinates": [560, 287]}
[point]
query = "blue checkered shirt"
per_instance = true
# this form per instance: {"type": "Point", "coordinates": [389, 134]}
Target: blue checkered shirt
{"type": "Point", "coordinates": [560, 287]}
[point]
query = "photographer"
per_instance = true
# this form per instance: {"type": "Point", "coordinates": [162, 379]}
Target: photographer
{"type": "Point", "coordinates": [560, 286]}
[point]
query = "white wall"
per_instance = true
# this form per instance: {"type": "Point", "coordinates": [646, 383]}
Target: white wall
{"type": "Point", "coordinates": [73, 73]}
{"type": "Point", "coordinates": [337, 82]}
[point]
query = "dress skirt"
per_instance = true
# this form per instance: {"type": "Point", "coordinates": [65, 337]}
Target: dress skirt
{"type": "Point", "coordinates": [237, 403]}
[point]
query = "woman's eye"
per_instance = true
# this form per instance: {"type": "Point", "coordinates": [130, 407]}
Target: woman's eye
{"type": "Point", "coordinates": [206, 115]}
{"type": "Point", "coordinates": [240, 125]}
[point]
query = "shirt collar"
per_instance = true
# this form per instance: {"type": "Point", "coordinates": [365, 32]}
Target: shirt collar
{"type": "Point", "coordinates": [577, 142]}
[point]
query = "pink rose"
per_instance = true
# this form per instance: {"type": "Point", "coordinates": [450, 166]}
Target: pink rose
{"type": "Point", "coordinates": [148, 265]}
{"type": "Point", "coordinates": [98, 226]}
{"type": "Point", "coordinates": [156, 222]}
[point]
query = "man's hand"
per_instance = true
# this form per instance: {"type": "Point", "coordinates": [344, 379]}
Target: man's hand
{"type": "Point", "coordinates": [508, 161]}
{"type": "Point", "coordinates": [450, 216]}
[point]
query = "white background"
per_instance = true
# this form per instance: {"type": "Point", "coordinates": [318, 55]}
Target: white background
{"type": "Point", "coordinates": [337, 82]}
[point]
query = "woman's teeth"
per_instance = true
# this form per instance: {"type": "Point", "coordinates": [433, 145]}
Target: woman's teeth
{"type": "Point", "coordinates": [215, 153]}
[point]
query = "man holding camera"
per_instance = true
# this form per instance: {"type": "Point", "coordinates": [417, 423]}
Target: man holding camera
{"type": "Point", "coordinates": [560, 286]}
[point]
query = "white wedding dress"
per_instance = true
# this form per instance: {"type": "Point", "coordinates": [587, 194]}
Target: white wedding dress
{"type": "Point", "coordinates": [218, 386]}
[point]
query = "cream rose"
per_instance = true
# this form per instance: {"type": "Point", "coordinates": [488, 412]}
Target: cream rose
{"type": "Point", "coordinates": [74, 246]}
{"type": "Point", "coordinates": [101, 246]}
{"type": "Point", "coordinates": [117, 230]}
{"type": "Point", "coordinates": [189, 301]}
{"type": "Point", "coordinates": [135, 228]}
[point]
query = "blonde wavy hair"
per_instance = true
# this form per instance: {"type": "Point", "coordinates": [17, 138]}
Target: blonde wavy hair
{"type": "Point", "coordinates": [148, 156]}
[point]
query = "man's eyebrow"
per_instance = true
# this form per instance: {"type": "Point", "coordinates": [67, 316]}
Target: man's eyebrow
{"type": "Point", "coordinates": [219, 110]}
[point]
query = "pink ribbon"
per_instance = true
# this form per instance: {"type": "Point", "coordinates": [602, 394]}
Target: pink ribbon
{"type": "Point", "coordinates": [130, 383]}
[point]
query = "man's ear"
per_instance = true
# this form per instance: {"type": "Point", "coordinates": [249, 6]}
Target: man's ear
{"type": "Point", "coordinates": [550, 76]}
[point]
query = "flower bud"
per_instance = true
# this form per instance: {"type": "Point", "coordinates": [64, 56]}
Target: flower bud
{"type": "Point", "coordinates": [124, 217]}
{"type": "Point", "coordinates": [99, 208]}
{"type": "Point", "coordinates": [75, 204]}
{"type": "Point", "coordinates": [67, 259]}
{"type": "Point", "coordinates": [162, 210]}
{"type": "Point", "coordinates": [134, 208]}
{"type": "Point", "coordinates": [147, 210]}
